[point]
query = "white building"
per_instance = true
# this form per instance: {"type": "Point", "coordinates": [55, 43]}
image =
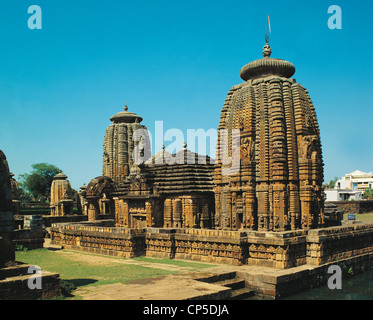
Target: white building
{"type": "Point", "coordinates": [356, 181]}
{"type": "Point", "coordinates": [343, 195]}
{"type": "Point", "coordinates": [350, 187]}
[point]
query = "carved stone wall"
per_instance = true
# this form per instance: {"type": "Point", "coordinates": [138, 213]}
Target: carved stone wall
{"type": "Point", "coordinates": [337, 243]}
{"type": "Point", "coordinates": [187, 211]}
{"type": "Point", "coordinates": [280, 250]}
{"type": "Point", "coordinates": [128, 243]}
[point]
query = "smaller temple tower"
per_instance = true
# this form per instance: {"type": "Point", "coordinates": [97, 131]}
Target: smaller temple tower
{"type": "Point", "coordinates": [119, 144]}
{"type": "Point", "coordinates": [61, 196]}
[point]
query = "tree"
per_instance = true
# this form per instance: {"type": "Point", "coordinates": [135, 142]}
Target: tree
{"type": "Point", "coordinates": [24, 196]}
{"type": "Point", "coordinates": [368, 193]}
{"type": "Point", "coordinates": [38, 182]}
{"type": "Point", "coordinates": [332, 183]}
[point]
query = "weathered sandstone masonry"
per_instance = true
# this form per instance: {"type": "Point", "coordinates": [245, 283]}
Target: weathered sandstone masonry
{"type": "Point", "coordinates": [280, 250]}
{"type": "Point", "coordinates": [337, 243]}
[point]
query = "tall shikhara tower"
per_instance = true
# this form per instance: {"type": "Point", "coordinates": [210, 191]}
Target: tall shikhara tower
{"type": "Point", "coordinates": [119, 144]}
{"type": "Point", "coordinates": [279, 182]}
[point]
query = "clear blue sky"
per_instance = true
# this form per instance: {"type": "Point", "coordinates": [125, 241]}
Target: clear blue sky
{"type": "Point", "coordinates": [173, 61]}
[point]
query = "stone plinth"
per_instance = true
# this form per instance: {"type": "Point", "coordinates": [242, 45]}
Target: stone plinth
{"type": "Point", "coordinates": [336, 243]}
{"type": "Point", "coordinates": [279, 250]}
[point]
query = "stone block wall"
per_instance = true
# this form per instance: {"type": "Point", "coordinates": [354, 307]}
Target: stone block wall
{"type": "Point", "coordinates": [336, 243]}
{"type": "Point", "coordinates": [216, 246]}
{"type": "Point", "coordinates": [160, 243]}
{"type": "Point", "coordinates": [280, 250]}
{"type": "Point", "coordinates": [355, 207]}
{"type": "Point", "coordinates": [29, 239]}
{"type": "Point", "coordinates": [128, 243]}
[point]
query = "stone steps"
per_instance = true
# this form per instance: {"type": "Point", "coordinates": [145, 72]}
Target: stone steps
{"type": "Point", "coordinates": [230, 280]}
{"type": "Point", "coordinates": [15, 280]}
{"type": "Point", "coordinates": [13, 271]}
{"type": "Point", "coordinates": [241, 294]}
{"type": "Point", "coordinates": [234, 283]}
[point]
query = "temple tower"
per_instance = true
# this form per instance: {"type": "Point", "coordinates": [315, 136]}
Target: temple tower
{"type": "Point", "coordinates": [61, 202]}
{"type": "Point", "coordinates": [279, 182]}
{"type": "Point", "coordinates": [119, 144]}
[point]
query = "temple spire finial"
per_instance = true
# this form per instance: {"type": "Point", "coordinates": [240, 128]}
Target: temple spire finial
{"type": "Point", "coordinates": [126, 107]}
{"type": "Point", "coordinates": [267, 49]}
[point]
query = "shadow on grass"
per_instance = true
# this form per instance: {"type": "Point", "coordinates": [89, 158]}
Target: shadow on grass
{"type": "Point", "coordinates": [68, 286]}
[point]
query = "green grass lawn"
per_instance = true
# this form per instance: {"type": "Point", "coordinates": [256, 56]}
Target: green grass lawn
{"type": "Point", "coordinates": [181, 263]}
{"type": "Point", "coordinates": [366, 217]}
{"type": "Point", "coordinates": [77, 273]}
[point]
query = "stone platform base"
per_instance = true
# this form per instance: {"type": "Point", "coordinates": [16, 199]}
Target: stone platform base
{"type": "Point", "coordinates": [14, 284]}
{"type": "Point", "coordinates": [280, 250]}
{"type": "Point", "coordinates": [227, 283]}
{"type": "Point", "coordinates": [272, 283]}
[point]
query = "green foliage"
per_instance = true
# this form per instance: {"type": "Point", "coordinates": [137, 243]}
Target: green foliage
{"type": "Point", "coordinates": [24, 196]}
{"type": "Point", "coordinates": [37, 184]}
{"type": "Point", "coordinates": [332, 183]}
{"type": "Point", "coordinates": [67, 287]}
{"type": "Point", "coordinates": [20, 247]}
{"type": "Point", "coordinates": [368, 193]}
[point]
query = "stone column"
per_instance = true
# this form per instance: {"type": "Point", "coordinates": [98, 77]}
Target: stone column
{"type": "Point", "coordinates": [93, 209]}
{"type": "Point", "coordinates": [149, 214]}
{"type": "Point", "coordinates": [167, 213]}
{"type": "Point", "coordinates": [177, 209]}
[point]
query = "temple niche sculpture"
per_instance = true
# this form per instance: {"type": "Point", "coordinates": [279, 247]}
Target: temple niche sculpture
{"type": "Point", "coordinates": [278, 185]}
{"type": "Point", "coordinates": [61, 196]}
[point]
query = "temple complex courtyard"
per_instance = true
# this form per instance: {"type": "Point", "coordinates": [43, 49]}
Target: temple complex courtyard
{"type": "Point", "coordinates": [178, 155]}
{"type": "Point", "coordinates": [89, 276]}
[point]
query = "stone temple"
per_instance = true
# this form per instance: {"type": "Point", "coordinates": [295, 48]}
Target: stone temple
{"type": "Point", "coordinates": [279, 182]}
{"type": "Point", "coordinates": [266, 209]}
